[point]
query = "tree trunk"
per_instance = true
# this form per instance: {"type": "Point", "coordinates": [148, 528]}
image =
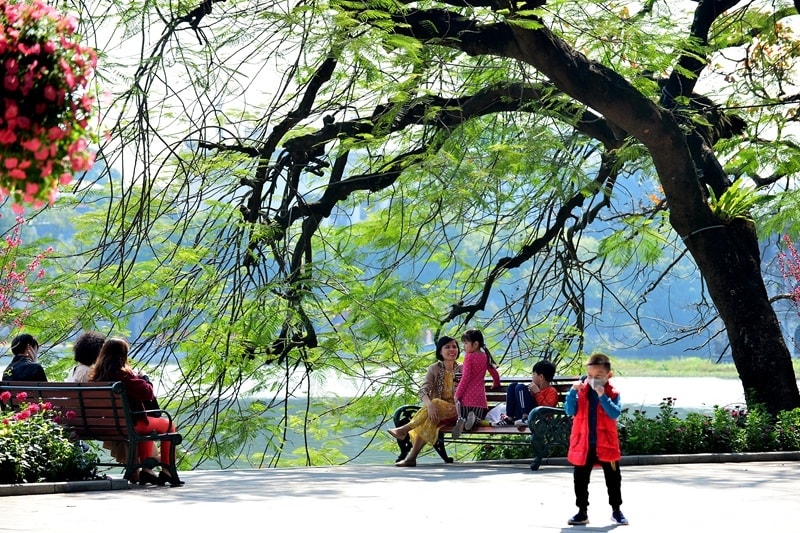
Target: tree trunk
{"type": "Point", "coordinates": [726, 254]}
{"type": "Point", "coordinates": [728, 257]}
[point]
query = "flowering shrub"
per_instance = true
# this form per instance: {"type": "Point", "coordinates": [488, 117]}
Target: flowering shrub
{"type": "Point", "coordinates": [789, 262]}
{"type": "Point", "coordinates": [14, 280]}
{"type": "Point", "coordinates": [728, 430]}
{"type": "Point", "coordinates": [35, 448]}
{"type": "Point", "coordinates": [44, 102]}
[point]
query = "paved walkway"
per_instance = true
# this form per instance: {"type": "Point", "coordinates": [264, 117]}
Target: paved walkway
{"type": "Point", "coordinates": [461, 498]}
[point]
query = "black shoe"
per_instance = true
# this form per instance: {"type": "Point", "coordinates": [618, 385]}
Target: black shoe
{"type": "Point", "coordinates": [148, 478]}
{"type": "Point", "coordinates": [619, 518]}
{"type": "Point", "coordinates": [579, 519]}
{"type": "Point", "coordinates": [164, 478]}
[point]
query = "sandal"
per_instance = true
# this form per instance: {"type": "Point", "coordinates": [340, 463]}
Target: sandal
{"type": "Point", "coordinates": [504, 421]}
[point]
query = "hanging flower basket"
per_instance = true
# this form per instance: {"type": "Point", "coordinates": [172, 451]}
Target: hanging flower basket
{"type": "Point", "coordinates": [45, 104]}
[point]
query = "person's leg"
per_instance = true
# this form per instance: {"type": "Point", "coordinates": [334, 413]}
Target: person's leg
{"type": "Point", "coordinates": [581, 476]}
{"type": "Point", "coordinates": [613, 484]}
{"type": "Point", "coordinates": [411, 458]}
{"type": "Point", "coordinates": [524, 400]}
{"type": "Point", "coordinates": [159, 425]}
{"type": "Point", "coordinates": [512, 409]}
{"type": "Point", "coordinates": [419, 417]}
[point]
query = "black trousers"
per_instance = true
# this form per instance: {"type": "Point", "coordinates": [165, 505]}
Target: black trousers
{"type": "Point", "coordinates": [582, 474]}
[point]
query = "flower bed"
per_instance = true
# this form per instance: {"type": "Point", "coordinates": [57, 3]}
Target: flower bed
{"type": "Point", "coordinates": [726, 430]}
{"type": "Point", "coordinates": [35, 448]}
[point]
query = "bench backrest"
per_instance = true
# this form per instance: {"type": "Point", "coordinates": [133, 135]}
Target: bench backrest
{"type": "Point", "coordinates": [94, 411]}
{"type": "Point", "coordinates": [561, 383]}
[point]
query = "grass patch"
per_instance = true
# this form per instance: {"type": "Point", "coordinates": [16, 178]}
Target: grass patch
{"type": "Point", "coordinates": [679, 367]}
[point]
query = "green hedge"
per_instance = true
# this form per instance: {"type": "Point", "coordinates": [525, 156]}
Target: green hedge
{"type": "Point", "coordinates": [726, 430]}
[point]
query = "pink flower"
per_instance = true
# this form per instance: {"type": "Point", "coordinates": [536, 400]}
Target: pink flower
{"type": "Point", "coordinates": [5, 396]}
{"type": "Point", "coordinates": [10, 82]}
{"type": "Point", "coordinates": [12, 111]}
{"type": "Point", "coordinates": [12, 66]}
{"type": "Point", "coordinates": [33, 408]}
{"type": "Point", "coordinates": [6, 422]}
{"type": "Point", "coordinates": [70, 415]}
{"type": "Point", "coordinates": [50, 93]}
{"type": "Point", "coordinates": [23, 415]}
{"type": "Point", "coordinates": [7, 137]}
{"type": "Point", "coordinates": [32, 144]}
{"type": "Point", "coordinates": [22, 396]}
{"type": "Point", "coordinates": [46, 406]}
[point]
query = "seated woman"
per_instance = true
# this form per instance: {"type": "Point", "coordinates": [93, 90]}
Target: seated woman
{"type": "Point", "coordinates": [437, 395]}
{"type": "Point", "coordinates": [24, 366]}
{"type": "Point", "coordinates": [112, 365]}
{"type": "Point", "coordinates": [86, 350]}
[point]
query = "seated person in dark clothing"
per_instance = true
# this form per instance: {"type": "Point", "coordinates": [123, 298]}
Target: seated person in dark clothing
{"type": "Point", "coordinates": [24, 366]}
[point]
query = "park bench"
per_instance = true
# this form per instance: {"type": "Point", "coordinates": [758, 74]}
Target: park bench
{"type": "Point", "coordinates": [548, 427]}
{"type": "Point", "coordinates": [98, 411]}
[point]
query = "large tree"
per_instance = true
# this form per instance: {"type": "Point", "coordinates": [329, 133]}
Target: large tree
{"type": "Point", "coordinates": [312, 185]}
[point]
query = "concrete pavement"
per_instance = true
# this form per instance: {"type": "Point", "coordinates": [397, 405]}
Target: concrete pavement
{"type": "Point", "coordinates": [465, 497]}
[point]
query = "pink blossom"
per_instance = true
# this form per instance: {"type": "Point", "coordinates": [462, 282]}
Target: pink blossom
{"type": "Point", "coordinates": [70, 415]}
{"type": "Point", "coordinates": [65, 178]}
{"type": "Point", "coordinates": [32, 144]}
{"type": "Point", "coordinates": [5, 396]}
{"type": "Point", "coordinates": [12, 110]}
{"type": "Point", "coordinates": [46, 406]}
{"type": "Point", "coordinates": [23, 415]}
{"type": "Point", "coordinates": [22, 396]}
{"type": "Point", "coordinates": [55, 133]}
{"type": "Point", "coordinates": [32, 50]}
{"type": "Point", "coordinates": [6, 422]}
{"type": "Point", "coordinates": [10, 82]}
{"type": "Point", "coordinates": [7, 137]}
{"type": "Point", "coordinates": [33, 408]}
{"type": "Point", "coordinates": [12, 66]}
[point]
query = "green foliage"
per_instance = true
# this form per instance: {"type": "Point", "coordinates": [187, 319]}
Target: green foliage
{"type": "Point", "coordinates": [726, 430]}
{"type": "Point", "coordinates": [34, 448]}
{"type": "Point", "coordinates": [736, 202]}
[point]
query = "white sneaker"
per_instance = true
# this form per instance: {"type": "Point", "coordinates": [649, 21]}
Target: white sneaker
{"type": "Point", "coordinates": [458, 428]}
{"type": "Point", "coordinates": [470, 421]}
{"type": "Point", "coordinates": [522, 422]}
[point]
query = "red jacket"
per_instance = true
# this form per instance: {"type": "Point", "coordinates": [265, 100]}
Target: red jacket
{"type": "Point", "coordinates": [607, 436]}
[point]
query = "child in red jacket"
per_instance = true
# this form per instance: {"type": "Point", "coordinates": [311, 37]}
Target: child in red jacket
{"type": "Point", "coordinates": [595, 406]}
